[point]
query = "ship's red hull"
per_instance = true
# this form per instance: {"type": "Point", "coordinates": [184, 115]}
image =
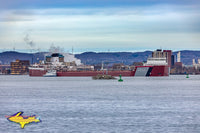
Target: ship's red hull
{"type": "Point", "coordinates": [94, 73]}
{"type": "Point", "coordinates": [39, 73]}
{"type": "Point", "coordinates": [160, 71]}
{"type": "Point", "coordinates": [151, 71]}
{"type": "Point", "coordinates": [139, 71]}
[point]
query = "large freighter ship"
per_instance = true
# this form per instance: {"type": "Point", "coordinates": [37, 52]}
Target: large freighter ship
{"type": "Point", "coordinates": [56, 62]}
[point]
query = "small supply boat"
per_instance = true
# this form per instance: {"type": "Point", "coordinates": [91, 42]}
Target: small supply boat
{"type": "Point", "coordinates": [50, 73]}
{"type": "Point", "coordinates": [102, 76]}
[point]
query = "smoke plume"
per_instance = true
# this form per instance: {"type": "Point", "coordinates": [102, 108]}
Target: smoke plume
{"type": "Point", "coordinates": [54, 49]}
{"type": "Point", "coordinates": [29, 41]}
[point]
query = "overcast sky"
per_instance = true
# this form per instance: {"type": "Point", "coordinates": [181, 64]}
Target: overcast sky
{"type": "Point", "coordinates": [100, 25]}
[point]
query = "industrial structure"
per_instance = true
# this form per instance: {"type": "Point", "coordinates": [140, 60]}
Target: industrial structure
{"type": "Point", "coordinates": [196, 65]}
{"type": "Point", "coordinates": [165, 55]}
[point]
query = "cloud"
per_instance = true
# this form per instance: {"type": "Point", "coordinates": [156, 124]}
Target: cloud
{"type": "Point", "coordinates": [151, 19]}
{"type": "Point", "coordinates": [133, 26]}
{"type": "Point", "coordinates": [39, 4]}
{"type": "Point", "coordinates": [28, 41]}
{"type": "Point", "coordinates": [16, 15]}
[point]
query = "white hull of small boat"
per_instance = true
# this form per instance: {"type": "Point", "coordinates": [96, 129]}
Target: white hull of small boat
{"type": "Point", "coordinates": [50, 74]}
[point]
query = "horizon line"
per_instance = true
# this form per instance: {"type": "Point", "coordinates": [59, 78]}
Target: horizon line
{"type": "Point", "coordinates": [42, 51]}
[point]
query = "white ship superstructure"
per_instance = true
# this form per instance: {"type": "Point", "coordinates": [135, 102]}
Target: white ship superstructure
{"type": "Point", "coordinates": [156, 61]}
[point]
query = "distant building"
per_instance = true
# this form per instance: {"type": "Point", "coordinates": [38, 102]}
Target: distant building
{"type": "Point", "coordinates": [167, 54]}
{"type": "Point", "coordinates": [172, 60]}
{"type": "Point", "coordinates": [20, 67]}
{"type": "Point", "coordinates": [120, 66]}
{"type": "Point", "coordinates": [179, 57]}
{"type": "Point", "coordinates": [138, 63]}
{"type": "Point", "coordinates": [5, 69]}
{"type": "Point", "coordinates": [179, 64]}
{"type": "Point", "coordinates": [196, 65]}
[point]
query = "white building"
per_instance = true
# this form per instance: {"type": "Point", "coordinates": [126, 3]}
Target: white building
{"type": "Point", "coordinates": [196, 65]}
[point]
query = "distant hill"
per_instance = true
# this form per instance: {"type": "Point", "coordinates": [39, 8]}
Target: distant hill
{"type": "Point", "coordinates": [113, 57]}
{"type": "Point", "coordinates": [97, 58]}
{"type": "Point", "coordinates": [10, 56]}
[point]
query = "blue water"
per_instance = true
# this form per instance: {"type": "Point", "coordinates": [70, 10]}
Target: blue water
{"type": "Point", "coordinates": [80, 104]}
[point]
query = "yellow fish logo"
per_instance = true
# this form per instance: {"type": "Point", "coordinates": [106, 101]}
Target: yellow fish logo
{"type": "Point", "coordinates": [22, 120]}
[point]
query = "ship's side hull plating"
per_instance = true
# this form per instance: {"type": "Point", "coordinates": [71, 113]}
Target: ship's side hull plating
{"type": "Point", "coordinates": [94, 73]}
{"type": "Point", "coordinates": [37, 72]}
{"type": "Point", "coordinates": [151, 71]}
{"type": "Point", "coordinates": [139, 71]}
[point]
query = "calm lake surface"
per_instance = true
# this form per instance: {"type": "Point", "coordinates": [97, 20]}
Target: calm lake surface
{"type": "Point", "coordinates": [82, 105]}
